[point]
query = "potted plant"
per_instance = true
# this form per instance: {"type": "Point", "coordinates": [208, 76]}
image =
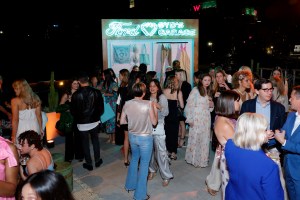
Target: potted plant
{"type": "Point", "coordinates": [53, 117]}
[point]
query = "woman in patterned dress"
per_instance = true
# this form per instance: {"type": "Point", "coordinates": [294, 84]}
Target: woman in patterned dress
{"type": "Point", "coordinates": [109, 89]}
{"type": "Point", "coordinates": [197, 110]}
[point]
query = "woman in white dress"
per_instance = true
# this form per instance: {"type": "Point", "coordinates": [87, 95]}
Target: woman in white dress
{"type": "Point", "coordinates": [197, 110]}
{"type": "Point", "coordinates": [26, 110]}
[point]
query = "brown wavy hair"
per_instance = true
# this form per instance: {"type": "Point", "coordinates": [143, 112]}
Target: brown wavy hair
{"type": "Point", "coordinates": [200, 87]}
{"type": "Point", "coordinates": [240, 75]}
{"type": "Point", "coordinates": [170, 84]}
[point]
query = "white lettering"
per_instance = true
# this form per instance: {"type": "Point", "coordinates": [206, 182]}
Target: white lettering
{"type": "Point", "coordinates": [117, 29]}
{"type": "Point", "coordinates": [149, 29]}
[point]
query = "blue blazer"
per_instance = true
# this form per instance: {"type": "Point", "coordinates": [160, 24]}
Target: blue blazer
{"type": "Point", "coordinates": [277, 117]}
{"type": "Point", "coordinates": [292, 147]}
{"type": "Point", "coordinates": [252, 175]}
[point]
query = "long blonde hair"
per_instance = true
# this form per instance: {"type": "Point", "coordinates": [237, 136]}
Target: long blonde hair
{"type": "Point", "coordinates": [215, 84]}
{"type": "Point", "coordinates": [31, 99]}
{"type": "Point", "coordinates": [278, 82]}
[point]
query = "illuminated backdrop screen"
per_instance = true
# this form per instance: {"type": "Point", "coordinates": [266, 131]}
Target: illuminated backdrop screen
{"type": "Point", "coordinates": [154, 42]}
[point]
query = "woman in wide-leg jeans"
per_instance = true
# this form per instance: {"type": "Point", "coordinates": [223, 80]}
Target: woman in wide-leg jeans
{"type": "Point", "coordinates": [140, 116]}
{"type": "Point", "coordinates": [141, 148]}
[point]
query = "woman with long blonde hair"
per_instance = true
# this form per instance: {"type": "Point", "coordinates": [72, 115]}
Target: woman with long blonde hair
{"type": "Point", "coordinates": [175, 99]}
{"type": "Point", "coordinates": [280, 94]}
{"type": "Point", "coordinates": [185, 87]}
{"type": "Point", "coordinates": [26, 110]}
{"type": "Point", "coordinates": [122, 97]}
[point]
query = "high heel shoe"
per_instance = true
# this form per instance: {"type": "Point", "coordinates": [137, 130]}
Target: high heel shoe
{"type": "Point", "coordinates": [151, 175]}
{"type": "Point", "coordinates": [210, 191]}
{"type": "Point", "coordinates": [126, 164]}
{"type": "Point", "coordinates": [173, 156]}
{"type": "Point", "coordinates": [165, 182]}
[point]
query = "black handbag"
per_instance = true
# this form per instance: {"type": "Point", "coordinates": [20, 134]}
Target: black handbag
{"type": "Point", "coordinates": [59, 127]}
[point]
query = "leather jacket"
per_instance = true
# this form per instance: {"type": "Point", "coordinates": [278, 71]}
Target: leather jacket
{"type": "Point", "coordinates": [87, 105]}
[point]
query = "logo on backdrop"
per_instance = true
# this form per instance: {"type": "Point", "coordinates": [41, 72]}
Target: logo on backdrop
{"type": "Point", "coordinates": [148, 29]}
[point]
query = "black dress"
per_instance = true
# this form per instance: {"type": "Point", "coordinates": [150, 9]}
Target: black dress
{"type": "Point", "coordinates": [186, 88]}
{"type": "Point", "coordinates": [119, 138]}
{"type": "Point", "coordinates": [73, 144]}
{"type": "Point", "coordinates": [172, 127]}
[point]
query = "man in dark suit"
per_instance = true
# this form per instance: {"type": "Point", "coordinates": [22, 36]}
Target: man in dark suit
{"type": "Point", "coordinates": [289, 138]}
{"type": "Point", "coordinates": [263, 104]}
{"type": "Point", "coordinates": [274, 112]}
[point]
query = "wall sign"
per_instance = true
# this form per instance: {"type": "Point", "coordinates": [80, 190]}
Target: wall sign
{"type": "Point", "coordinates": [149, 29]}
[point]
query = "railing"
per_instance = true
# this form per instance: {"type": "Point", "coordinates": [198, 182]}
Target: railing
{"type": "Point", "coordinates": [291, 74]}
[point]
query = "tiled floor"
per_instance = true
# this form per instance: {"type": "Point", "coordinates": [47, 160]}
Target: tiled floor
{"type": "Point", "coordinates": [107, 181]}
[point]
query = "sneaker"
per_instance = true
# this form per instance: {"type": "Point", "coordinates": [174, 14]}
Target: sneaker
{"type": "Point", "coordinates": [98, 163]}
{"type": "Point", "coordinates": [87, 166]}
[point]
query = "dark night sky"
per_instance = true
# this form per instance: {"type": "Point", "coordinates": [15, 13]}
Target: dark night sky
{"type": "Point", "coordinates": [76, 43]}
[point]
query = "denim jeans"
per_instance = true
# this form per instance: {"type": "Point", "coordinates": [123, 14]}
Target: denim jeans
{"type": "Point", "coordinates": [86, 144]}
{"type": "Point", "coordinates": [141, 149]}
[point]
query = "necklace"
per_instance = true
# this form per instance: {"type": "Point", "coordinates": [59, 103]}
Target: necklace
{"type": "Point", "coordinates": [241, 92]}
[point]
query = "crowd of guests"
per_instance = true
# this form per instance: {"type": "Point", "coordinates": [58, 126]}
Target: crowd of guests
{"type": "Point", "coordinates": [242, 115]}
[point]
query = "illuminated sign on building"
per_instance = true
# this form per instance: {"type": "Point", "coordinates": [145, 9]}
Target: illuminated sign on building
{"type": "Point", "coordinates": [205, 5]}
{"type": "Point", "coordinates": [250, 11]}
{"type": "Point", "coordinates": [148, 29]}
{"type": "Point", "coordinates": [209, 4]}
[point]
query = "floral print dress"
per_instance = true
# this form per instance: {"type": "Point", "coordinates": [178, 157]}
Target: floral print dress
{"type": "Point", "coordinates": [110, 125]}
{"type": "Point", "coordinates": [198, 112]}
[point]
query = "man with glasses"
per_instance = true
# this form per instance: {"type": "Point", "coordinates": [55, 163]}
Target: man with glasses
{"type": "Point", "coordinates": [275, 115]}
{"type": "Point", "coordinates": [263, 104]}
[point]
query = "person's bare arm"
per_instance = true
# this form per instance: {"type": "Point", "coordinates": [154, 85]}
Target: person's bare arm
{"type": "Point", "coordinates": [63, 99]}
{"type": "Point", "coordinates": [118, 115]}
{"type": "Point", "coordinates": [153, 113]}
{"type": "Point", "coordinates": [38, 113]}
{"type": "Point", "coordinates": [123, 119]}
{"type": "Point", "coordinates": [15, 118]}
{"type": "Point", "coordinates": [180, 99]}
{"type": "Point", "coordinates": [8, 187]}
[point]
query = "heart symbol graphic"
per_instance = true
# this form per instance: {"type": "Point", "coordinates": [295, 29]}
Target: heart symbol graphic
{"type": "Point", "coordinates": [149, 28]}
